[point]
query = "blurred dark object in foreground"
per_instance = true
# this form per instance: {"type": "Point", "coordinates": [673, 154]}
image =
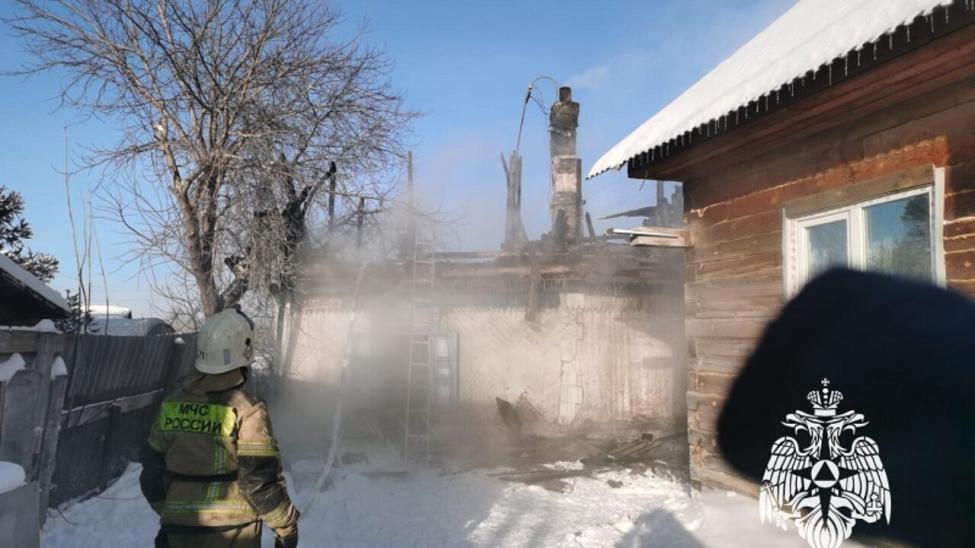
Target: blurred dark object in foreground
{"type": "Point", "coordinates": [903, 354]}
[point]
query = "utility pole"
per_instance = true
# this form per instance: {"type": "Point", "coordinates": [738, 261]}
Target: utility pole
{"type": "Point", "coordinates": [331, 196]}
{"type": "Point", "coordinates": [411, 210]}
{"type": "Point", "coordinates": [360, 221]}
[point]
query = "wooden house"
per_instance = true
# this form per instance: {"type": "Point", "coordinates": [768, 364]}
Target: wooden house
{"type": "Point", "coordinates": [844, 133]}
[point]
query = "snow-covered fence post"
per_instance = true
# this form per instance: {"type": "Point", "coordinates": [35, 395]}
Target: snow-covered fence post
{"type": "Point", "coordinates": [33, 396]}
{"type": "Point", "coordinates": [58, 374]}
{"type": "Point", "coordinates": [43, 360]}
{"type": "Point", "coordinates": [182, 353]}
{"type": "Point", "coordinates": [20, 435]}
{"type": "Point", "coordinates": [19, 523]}
{"type": "Point", "coordinates": [26, 396]}
{"type": "Point", "coordinates": [20, 432]}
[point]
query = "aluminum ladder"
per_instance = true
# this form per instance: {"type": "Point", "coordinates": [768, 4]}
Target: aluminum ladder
{"type": "Point", "coordinates": [419, 397]}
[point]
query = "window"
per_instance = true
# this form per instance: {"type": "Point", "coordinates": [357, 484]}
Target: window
{"type": "Point", "coordinates": [891, 234]}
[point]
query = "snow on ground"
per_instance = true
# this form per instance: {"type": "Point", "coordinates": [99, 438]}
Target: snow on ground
{"type": "Point", "coordinates": [428, 508]}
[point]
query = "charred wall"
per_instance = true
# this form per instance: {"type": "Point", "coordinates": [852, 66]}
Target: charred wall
{"type": "Point", "coordinates": [594, 356]}
{"type": "Point", "coordinates": [599, 353]}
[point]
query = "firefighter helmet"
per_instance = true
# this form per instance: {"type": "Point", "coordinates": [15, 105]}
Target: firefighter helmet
{"type": "Point", "coordinates": [224, 343]}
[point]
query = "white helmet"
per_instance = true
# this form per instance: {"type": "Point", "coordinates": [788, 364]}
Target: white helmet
{"type": "Point", "coordinates": [224, 343]}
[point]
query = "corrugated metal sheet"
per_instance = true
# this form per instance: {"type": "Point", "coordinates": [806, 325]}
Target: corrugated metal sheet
{"type": "Point", "coordinates": [102, 370]}
{"type": "Point", "coordinates": [811, 38]}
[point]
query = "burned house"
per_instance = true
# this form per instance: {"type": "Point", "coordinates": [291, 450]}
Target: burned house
{"type": "Point", "coordinates": [840, 135]}
{"type": "Point", "coordinates": [578, 333]}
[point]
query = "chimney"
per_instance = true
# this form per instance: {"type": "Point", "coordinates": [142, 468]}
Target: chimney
{"type": "Point", "coordinates": [566, 206]}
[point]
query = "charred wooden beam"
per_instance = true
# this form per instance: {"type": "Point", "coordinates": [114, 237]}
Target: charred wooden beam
{"type": "Point", "coordinates": [514, 229]}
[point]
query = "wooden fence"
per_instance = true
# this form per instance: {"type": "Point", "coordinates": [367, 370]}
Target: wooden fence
{"type": "Point", "coordinates": [80, 408]}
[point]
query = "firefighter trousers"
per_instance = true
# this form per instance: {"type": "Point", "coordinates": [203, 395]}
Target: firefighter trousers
{"type": "Point", "coordinates": [245, 536]}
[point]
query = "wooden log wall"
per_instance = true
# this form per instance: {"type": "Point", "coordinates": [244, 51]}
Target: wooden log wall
{"type": "Point", "coordinates": [734, 210]}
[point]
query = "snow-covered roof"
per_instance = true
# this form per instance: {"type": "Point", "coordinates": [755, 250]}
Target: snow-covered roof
{"type": "Point", "coordinates": [128, 327]}
{"type": "Point", "coordinates": [809, 35]}
{"type": "Point", "coordinates": [24, 278]}
{"type": "Point", "coordinates": [109, 310]}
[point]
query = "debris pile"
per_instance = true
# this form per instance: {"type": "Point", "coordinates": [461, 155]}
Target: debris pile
{"type": "Point", "coordinates": [643, 454]}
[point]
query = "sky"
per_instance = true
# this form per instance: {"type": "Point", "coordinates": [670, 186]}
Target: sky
{"type": "Point", "coordinates": [465, 66]}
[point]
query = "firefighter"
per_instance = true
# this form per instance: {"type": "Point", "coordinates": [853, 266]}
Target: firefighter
{"type": "Point", "coordinates": [211, 467]}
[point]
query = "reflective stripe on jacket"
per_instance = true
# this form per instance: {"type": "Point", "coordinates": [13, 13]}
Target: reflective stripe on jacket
{"type": "Point", "coordinates": [211, 458]}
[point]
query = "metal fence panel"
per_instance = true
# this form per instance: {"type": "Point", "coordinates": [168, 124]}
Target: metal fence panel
{"type": "Point", "coordinates": [114, 386]}
{"type": "Point", "coordinates": [103, 368]}
{"type": "Point", "coordinates": [72, 435]}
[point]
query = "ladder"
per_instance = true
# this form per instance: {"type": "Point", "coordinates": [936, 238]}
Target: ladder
{"type": "Point", "coordinates": [419, 397]}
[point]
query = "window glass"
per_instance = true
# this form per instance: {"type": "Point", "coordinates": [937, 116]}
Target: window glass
{"type": "Point", "coordinates": [898, 237]}
{"type": "Point", "coordinates": [893, 234]}
{"type": "Point", "coordinates": [827, 247]}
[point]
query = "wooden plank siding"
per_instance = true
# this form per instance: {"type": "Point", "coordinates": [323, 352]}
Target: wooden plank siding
{"type": "Point", "coordinates": [734, 211]}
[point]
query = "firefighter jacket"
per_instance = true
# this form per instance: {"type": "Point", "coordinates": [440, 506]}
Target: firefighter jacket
{"type": "Point", "coordinates": [211, 459]}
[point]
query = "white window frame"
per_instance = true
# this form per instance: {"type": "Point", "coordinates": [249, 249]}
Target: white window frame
{"type": "Point", "coordinates": [802, 224]}
{"type": "Point", "coordinates": [795, 234]}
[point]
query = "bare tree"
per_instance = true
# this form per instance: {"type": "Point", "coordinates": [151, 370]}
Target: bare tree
{"type": "Point", "coordinates": [240, 118]}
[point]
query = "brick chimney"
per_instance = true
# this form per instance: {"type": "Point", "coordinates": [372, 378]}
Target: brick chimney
{"type": "Point", "coordinates": [566, 205]}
